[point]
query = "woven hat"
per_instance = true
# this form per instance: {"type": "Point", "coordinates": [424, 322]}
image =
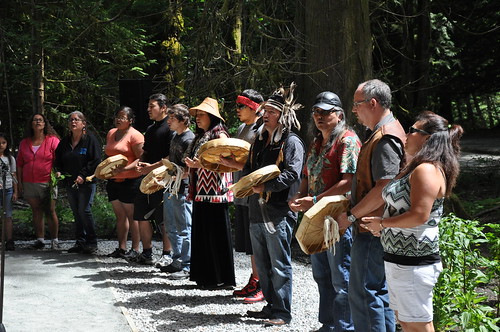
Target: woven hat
{"type": "Point", "coordinates": [208, 105]}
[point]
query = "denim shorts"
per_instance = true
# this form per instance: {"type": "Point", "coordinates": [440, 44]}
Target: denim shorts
{"type": "Point", "coordinates": [410, 290]}
{"type": "Point", "coordinates": [8, 201]}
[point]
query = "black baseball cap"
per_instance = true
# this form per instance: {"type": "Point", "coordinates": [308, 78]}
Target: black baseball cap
{"type": "Point", "coordinates": [327, 100]}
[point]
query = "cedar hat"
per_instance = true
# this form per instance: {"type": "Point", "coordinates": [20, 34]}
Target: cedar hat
{"type": "Point", "coordinates": [208, 105]}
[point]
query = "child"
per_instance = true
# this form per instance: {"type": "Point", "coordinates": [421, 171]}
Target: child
{"type": "Point", "coordinates": [9, 191]}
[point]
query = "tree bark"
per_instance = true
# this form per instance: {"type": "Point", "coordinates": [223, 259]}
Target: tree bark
{"type": "Point", "coordinates": [37, 64]}
{"type": "Point", "coordinates": [338, 51]}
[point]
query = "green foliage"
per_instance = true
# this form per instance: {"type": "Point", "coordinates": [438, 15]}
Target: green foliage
{"type": "Point", "coordinates": [459, 302]}
{"type": "Point", "coordinates": [105, 219]}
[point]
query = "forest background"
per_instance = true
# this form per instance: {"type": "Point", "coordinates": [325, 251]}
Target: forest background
{"type": "Point", "coordinates": [58, 56]}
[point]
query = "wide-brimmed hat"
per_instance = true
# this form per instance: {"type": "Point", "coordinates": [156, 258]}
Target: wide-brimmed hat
{"type": "Point", "coordinates": [208, 105]}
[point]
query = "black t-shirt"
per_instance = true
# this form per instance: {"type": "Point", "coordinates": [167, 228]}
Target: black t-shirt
{"type": "Point", "coordinates": [157, 141]}
{"type": "Point", "coordinates": [178, 147]}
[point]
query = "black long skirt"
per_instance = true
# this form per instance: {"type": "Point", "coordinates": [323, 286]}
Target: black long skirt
{"type": "Point", "coordinates": [212, 262]}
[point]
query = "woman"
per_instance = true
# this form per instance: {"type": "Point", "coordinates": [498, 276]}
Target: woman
{"type": "Point", "coordinates": [409, 228]}
{"type": "Point", "coordinates": [123, 187]}
{"type": "Point", "coordinates": [34, 163]}
{"type": "Point", "coordinates": [78, 155]}
{"type": "Point", "coordinates": [329, 170]}
{"type": "Point", "coordinates": [212, 264]}
{"type": "Point", "coordinates": [8, 189]}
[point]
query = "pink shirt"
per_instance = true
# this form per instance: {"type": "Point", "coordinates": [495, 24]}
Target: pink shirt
{"type": "Point", "coordinates": [36, 166]}
{"type": "Point", "coordinates": [124, 147]}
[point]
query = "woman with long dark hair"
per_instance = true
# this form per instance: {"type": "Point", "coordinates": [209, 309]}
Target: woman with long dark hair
{"type": "Point", "coordinates": [409, 227]}
{"type": "Point", "coordinates": [212, 264]}
{"type": "Point", "coordinates": [78, 155]}
{"type": "Point", "coordinates": [34, 163]}
{"type": "Point", "coordinates": [8, 189]}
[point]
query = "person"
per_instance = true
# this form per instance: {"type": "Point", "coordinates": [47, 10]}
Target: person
{"type": "Point", "coordinates": [271, 224]}
{"type": "Point", "coordinates": [124, 185]}
{"type": "Point", "coordinates": [413, 208]}
{"type": "Point", "coordinates": [247, 106]}
{"type": "Point", "coordinates": [8, 190]}
{"type": "Point", "coordinates": [212, 262]}
{"type": "Point", "coordinates": [78, 155]}
{"type": "Point", "coordinates": [156, 146]}
{"type": "Point", "coordinates": [177, 209]}
{"type": "Point", "coordinates": [329, 169]}
{"type": "Point", "coordinates": [35, 160]}
{"type": "Point", "coordinates": [379, 161]}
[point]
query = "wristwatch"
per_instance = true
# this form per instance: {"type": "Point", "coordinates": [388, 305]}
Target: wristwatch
{"type": "Point", "coordinates": [351, 217]}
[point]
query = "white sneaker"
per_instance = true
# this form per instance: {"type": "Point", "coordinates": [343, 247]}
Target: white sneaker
{"type": "Point", "coordinates": [179, 275]}
{"type": "Point", "coordinates": [54, 244]}
{"type": "Point", "coordinates": [164, 260]}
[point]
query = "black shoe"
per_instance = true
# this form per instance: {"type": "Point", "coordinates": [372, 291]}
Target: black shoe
{"type": "Point", "coordinates": [172, 268]}
{"type": "Point", "coordinates": [9, 245]}
{"type": "Point", "coordinates": [76, 249]}
{"type": "Point", "coordinates": [89, 249]}
{"type": "Point", "coordinates": [118, 253]}
{"type": "Point", "coordinates": [263, 314]}
{"type": "Point", "coordinates": [38, 245]}
{"type": "Point", "coordinates": [274, 322]}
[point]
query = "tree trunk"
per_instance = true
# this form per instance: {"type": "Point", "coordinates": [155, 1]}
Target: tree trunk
{"type": "Point", "coordinates": [492, 112]}
{"type": "Point", "coordinates": [338, 50]}
{"type": "Point", "coordinates": [470, 114]}
{"type": "Point", "coordinates": [37, 65]}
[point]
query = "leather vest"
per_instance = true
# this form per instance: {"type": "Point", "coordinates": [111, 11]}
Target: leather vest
{"type": "Point", "coordinates": [364, 179]}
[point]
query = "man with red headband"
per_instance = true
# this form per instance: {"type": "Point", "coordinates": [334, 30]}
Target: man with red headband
{"type": "Point", "coordinates": [246, 105]}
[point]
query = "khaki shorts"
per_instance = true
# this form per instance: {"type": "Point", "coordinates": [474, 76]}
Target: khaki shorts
{"type": "Point", "coordinates": [38, 190]}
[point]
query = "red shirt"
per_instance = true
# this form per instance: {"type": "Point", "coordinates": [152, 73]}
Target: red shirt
{"type": "Point", "coordinates": [36, 167]}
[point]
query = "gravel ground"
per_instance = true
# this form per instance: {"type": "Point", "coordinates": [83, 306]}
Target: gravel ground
{"type": "Point", "coordinates": [153, 302]}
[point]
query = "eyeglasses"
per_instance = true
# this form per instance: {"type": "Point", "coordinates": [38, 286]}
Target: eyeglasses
{"type": "Point", "coordinates": [74, 120]}
{"type": "Point", "coordinates": [412, 130]}
{"type": "Point", "coordinates": [39, 120]}
{"type": "Point", "coordinates": [240, 106]}
{"type": "Point", "coordinates": [121, 119]}
{"type": "Point", "coordinates": [322, 112]}
{"type": "Point", "coordinates": [355, 104]}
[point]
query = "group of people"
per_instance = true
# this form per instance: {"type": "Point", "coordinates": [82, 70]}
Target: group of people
{"type": "Point", "coordinates": [386, 262]}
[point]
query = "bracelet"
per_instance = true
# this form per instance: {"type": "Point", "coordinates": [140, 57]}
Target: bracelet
{"type": "Point", "coordinates": [382, 224]}
{"type": "Point", "coordinates": [314, 200]}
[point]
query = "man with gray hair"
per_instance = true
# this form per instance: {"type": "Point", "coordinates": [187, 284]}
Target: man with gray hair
{"type": "Point", "coordinates": [379, 161]}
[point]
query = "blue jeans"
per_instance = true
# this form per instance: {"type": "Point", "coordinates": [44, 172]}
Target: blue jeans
{"type": "Point", "coordinates": [177, 216]}
{"type": "Point", "coordinates": [368, 294]}
{"type": "Point", "coordinates": [8, 201]}
{"type": "Point", "coordinates": [80, 200]}
{"type": "Point", "coordinates": [272, 254]}
{"type": "Point", "coordinates": [331, 273]}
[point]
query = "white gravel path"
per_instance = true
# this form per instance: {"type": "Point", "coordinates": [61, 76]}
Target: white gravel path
{"type": "Point", "coordinates": [153, 302]}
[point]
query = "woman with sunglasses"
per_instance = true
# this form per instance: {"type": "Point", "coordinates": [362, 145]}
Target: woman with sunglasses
{"type": "Point", "coordinates": [123, 187]}
{"type": "Point", "coordinates": [34, 163]}
{"type": "Point", "coordinates": [78, 155]}
{"type": "Point", "coordinates": [413, 208]}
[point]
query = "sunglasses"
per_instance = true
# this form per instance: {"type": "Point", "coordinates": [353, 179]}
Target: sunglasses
{"type": "Point", "coordinates": [240, 106]}
{"type": "Point", "coordinates": [322, 112]}
{"type": "Point", "coordinates": [412, 130]}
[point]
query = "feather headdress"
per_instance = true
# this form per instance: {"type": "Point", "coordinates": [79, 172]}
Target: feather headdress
{"type": "Point", "coordinates": [283, 100]}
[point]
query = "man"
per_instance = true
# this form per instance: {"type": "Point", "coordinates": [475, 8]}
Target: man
{"type": "Point", "coordinates": [247, 106]}
{"type": "Point", "coordinates": [329, 170]}
{"type": "Point", "coordinates": [379, 162]}
{"type": "Point", "coordinates": [156, 146]}
{"type": "Point", "coordinates": [271, 220]}
{"type": "Point", "coordinates": [177, 209]}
